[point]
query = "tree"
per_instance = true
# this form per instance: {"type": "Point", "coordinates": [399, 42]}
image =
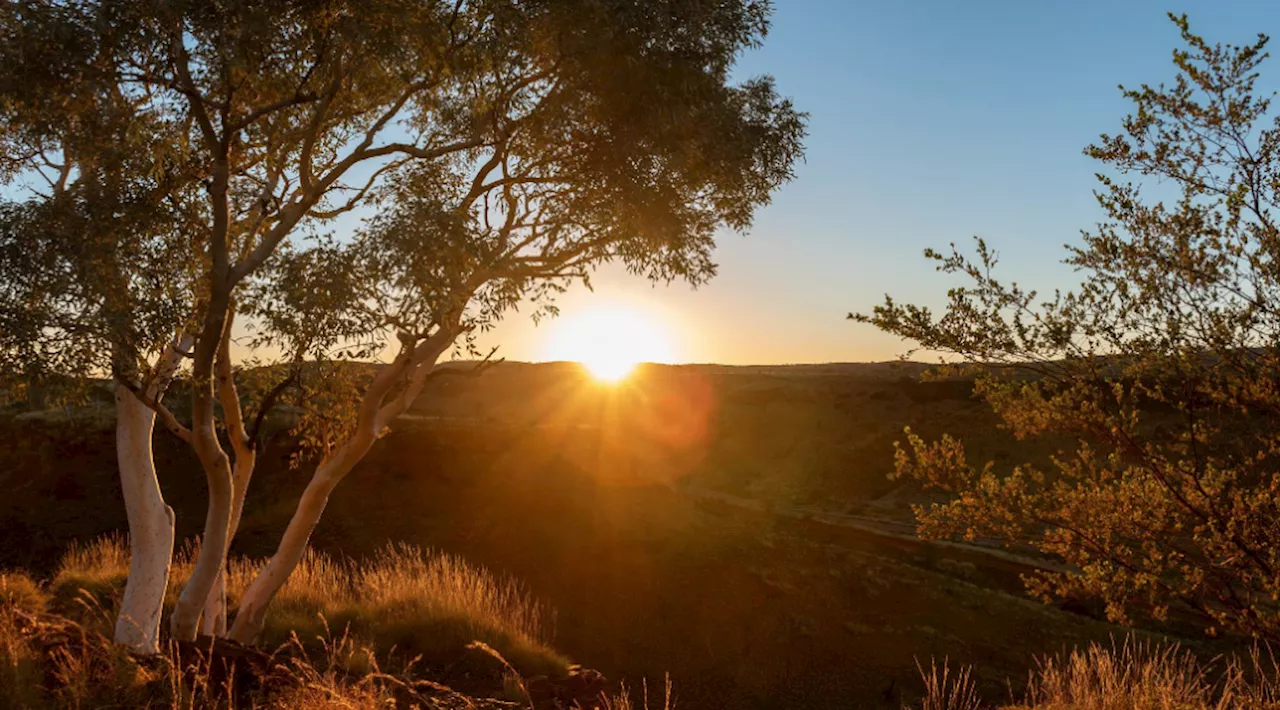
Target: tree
{"type": "Point", "coordinates": [1162, 366]}
{"type": "Point", "coordinates": [515, 145]}
{"type": "Point", "coordinates": [94, 267]}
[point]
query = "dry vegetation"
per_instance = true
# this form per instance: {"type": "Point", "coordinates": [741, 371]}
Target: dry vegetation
{"type": "Point", "coordinates": [372, 634]}
{"type": "Point", "coordinates": [417, 602]}
{"type": "Point", "coordinates": [1132, 675]}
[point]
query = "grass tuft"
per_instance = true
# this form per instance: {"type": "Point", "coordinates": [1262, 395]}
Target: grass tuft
{"type": "Point", "coordinates": [623, 700]}
{"type": "Point", "coordinates": [416, 601]}
{"type": "Point", "coordinates": [97, 570]}
{"type": "Point", "coordinates": [1133, 675]}
{"type": "Point", "coordinates": [426, 611]}
{"type": "Point", "coordinates": [948, 690]}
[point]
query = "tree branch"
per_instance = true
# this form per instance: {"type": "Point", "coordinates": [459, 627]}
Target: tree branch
{"type": "Point", "coordinates": [227, 393]}
{"type": "Point", "coordinates": [186, 85]}
{"type": "Point", "coordinates": [268, 403]}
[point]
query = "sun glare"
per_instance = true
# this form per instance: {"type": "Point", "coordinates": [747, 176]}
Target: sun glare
{"type": "Point", "coordinates": [610, 340]}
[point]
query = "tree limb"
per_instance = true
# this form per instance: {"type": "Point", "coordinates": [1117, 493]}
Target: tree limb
{"type": "Point", "coordinates": [268, 403]}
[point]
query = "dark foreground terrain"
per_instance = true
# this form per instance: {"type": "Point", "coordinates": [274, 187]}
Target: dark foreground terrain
{"type": "Point", "coordinates": [732, 526]}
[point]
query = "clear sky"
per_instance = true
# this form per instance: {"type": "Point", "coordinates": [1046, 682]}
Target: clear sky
{"type": "Point", "coordinates": [931, 121]}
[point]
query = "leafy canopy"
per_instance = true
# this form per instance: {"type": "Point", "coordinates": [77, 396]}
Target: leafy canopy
{"type": "Point", "coordinates": [505, 148]}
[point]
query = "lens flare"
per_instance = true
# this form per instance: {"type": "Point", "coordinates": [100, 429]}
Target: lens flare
{"type": "Point", "coordinates": [610, 340]}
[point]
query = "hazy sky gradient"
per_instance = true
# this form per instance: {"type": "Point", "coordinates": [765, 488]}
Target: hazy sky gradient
{"type": "Point", "coordinates": [930, 122]}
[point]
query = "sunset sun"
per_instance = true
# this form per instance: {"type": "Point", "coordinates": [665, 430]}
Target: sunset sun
{"type": "Point", "coordinates": [610, 340]}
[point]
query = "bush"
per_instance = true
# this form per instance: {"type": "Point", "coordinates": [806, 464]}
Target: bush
{"type": "Point", "coordinates": [1154, 380]}
{"type": "Point", "coordinates": [19, 591]}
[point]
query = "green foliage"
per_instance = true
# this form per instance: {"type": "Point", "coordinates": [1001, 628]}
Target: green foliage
{"type": "Point", "coordinates": [507, 147]}
{"type": "Point", "coordinates": [196, 154]}
{"type": "Point", "coordinates": [1162, 367]}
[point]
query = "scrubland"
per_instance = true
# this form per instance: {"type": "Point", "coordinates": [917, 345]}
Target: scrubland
{"type": "Point", "coordinates": [599, 502]}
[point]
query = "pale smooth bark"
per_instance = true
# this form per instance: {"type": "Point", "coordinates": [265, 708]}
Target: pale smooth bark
{"type": "Point", "coordinates": [151, 523]}
{"type": "Point", "coordinates": [375, 415]}
{"type": "Point", "coordinates": [184, 623]}
{"type": "Point", "coordinates": [150, 527]}
{"type": "Point", "coordinates": [214, 617]}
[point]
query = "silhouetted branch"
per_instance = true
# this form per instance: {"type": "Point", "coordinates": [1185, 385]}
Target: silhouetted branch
{"type": "Point", "coordinates": [268, 402]}
{"type": "Point", "coordinates": [474, 371]}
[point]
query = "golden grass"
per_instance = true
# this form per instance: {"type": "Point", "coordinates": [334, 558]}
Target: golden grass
{"type": "Point", "coordinates": [48, 662]}
{"type": "Point", "coordinates": [413, 601]}
{"type": "Point", "coordinates": [414, 606]}
{"type": "Point", "coordinates": [945, 689]}
{"type": "Point", "coordinates": [623, 700]}
{"type": "Point", "coordinates": [98, 568]}
{"type": "Point", "coordinates": [1134, 675]}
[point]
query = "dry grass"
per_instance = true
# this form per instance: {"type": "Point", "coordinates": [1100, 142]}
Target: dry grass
{"type": "Point", "coordinates": [405, 600]}
{"type": "Point", "coordinates": [1133, 675]}
{"type": "Point", "coordinates": [415, 601]}
{"type": "Point", "coordinates": [48, 662]}
{"type": "Point", "coordinates": [98, 569]}
{"type": "Point", "coordinates": [946, 689]}
{"type": "Point", "coordinates": [622, 700]}
{"type": "Point", "coordinates": [414, 609]}
{"type": "Point", "coordinates": [1143, 676]}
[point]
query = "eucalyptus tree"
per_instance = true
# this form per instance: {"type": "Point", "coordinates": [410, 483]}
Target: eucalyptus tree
{"type": "Point", "coordinates": [579, 169]}
{"type": "Point", "coordinates": [95, 270]}
{"type": "Point", "coordinates": [513, 145]}
{"type": "Point", "coordinates": [1162, 366]}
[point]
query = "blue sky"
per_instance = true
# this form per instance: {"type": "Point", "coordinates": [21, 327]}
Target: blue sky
{"type": "Point", "coordinates": [931, 122]}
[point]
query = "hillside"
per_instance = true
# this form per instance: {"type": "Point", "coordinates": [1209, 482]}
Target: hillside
{"type": "Point", "coordinates": [733, 526]}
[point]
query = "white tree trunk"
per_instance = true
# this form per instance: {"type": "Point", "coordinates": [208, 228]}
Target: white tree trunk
{"type": "Point", "coordinates": [150, 527]}
{"type": "Point", "coordinates": [253, 603]}
{"type": "Point", "coordinates": [184, 622]}
{"type": "Point", "coordinates": [416, 361]}
{"type": "Point", "coordinates": [214, 618]}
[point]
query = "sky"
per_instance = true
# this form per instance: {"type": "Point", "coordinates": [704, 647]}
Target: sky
{"type": "Point", "coordinates": [930, 122]}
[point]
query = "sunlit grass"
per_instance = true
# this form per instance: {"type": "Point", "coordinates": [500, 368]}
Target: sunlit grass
{"type": "Point", "coordinates": [53, 662]}
{"type": "Point", "coordinates": [1133, 675]}
{"type": "Point", "coordinates": [416, 601]}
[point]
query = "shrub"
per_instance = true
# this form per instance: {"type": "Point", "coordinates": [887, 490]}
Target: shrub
{"type": "Point", "coordinates": [19, 591]}
{"type": "Point", "coordinates": [1155, 379]}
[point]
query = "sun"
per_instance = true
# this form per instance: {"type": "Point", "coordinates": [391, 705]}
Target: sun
{"type": "Point", "coordinates": [610, 340]}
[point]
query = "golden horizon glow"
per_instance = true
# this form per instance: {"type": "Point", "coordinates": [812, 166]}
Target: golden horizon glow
{"type": "Point", "coordinates": [610, 340]}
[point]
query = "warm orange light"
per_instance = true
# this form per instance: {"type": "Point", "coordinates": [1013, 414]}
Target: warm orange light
{"type": "Point", "coordinates": [610, 340]}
